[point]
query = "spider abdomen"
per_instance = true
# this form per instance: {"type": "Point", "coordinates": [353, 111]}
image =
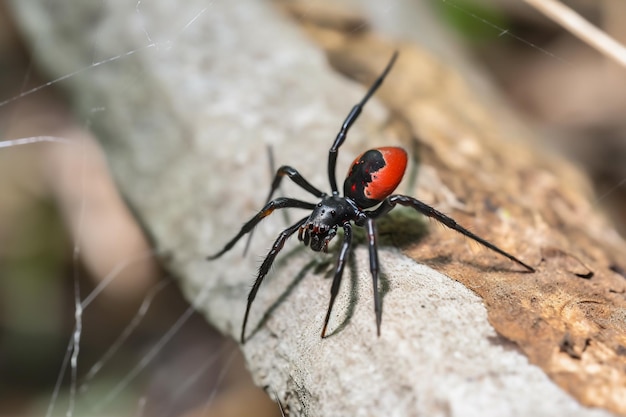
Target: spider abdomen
{"type": "Point", "coordinates": [374, 175]}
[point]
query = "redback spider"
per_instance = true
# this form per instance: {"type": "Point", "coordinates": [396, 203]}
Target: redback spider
{"type": "Point", "coordinates": [371, 179]}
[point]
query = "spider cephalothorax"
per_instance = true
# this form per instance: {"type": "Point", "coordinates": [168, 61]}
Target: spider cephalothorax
{"type": "Point", "coordinates": [321, 226]}
{"type": "Point", "coordinates": [371, 179]}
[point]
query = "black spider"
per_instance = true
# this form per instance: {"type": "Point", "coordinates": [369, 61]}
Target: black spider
{"type": "Point", "coordinates": [372, 178]}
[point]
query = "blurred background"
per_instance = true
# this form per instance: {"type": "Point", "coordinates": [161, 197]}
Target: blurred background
{"type": "Point", "coordinates": [53, 256]}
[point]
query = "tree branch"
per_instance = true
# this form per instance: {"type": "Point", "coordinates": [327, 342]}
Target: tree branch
{"type": "Point", "coordinates": [585, 31]}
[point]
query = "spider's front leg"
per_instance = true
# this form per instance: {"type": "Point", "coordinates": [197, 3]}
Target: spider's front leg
{"type": "Point", "coordinates": [265, 267]}
{"type": "Point", "coordinates": [269, 208]}
{"type": "Point", "coordinates": [341, 262]}
{"type": "Point", "coordinates": [390, 202]}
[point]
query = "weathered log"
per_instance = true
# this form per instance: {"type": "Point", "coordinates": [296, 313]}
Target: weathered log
{"type": "Point", "coordinates": [190, 95]}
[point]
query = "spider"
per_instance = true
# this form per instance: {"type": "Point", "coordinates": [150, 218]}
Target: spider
{"type": "Point", "coordinates": [371, 179]}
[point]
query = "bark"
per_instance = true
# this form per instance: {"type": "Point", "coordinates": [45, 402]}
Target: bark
{"type": "Point", "coordinates": [186, 99]}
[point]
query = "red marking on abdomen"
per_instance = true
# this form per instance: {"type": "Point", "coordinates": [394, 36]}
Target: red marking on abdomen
{"type": "Point", "coordinates": [386, 179]}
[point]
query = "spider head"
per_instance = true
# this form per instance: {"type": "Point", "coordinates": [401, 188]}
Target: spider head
{"type": "Point", "coordinates": [317, 236]}
{"type": "Point", "coordinates": [321, 226]}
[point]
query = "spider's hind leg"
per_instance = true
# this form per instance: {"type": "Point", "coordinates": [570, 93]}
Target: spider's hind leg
{"type": "Point", "coordinates": [349, 121]}
{"type": "Point", "coordinates": [390, 202]}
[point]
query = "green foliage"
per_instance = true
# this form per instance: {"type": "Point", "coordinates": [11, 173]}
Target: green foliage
{"type": "Point", "coordinates": [475, 21]}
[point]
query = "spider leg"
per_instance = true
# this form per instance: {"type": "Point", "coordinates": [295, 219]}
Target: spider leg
{"type": "Point", "coordinates": [295, 176]}
{"type": "Point", "coordinates": [349, 121]}
{"type": "Point", "coordinates": [373, 247]}
{"type": "Point", "coordinates": [341, 261]}
{"type": "Point", "coordinates": [278, 203]}
{"type": "Point", "coordinates": [265, 267]}
{"type": "Point", "coordinates": [390, 202]}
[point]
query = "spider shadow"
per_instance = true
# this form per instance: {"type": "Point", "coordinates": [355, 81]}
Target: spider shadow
{"type": "Point", "coordinates": [401, 228]}
{"type": "Point", "coordinates": [484, 266]}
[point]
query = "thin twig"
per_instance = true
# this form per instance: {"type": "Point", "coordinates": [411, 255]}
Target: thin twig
{"type": "Point", "coordinates": [580, 27]}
